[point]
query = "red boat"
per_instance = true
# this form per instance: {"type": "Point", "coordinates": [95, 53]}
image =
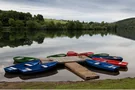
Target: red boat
{"type": "Point", "coordinates": [72, 53]}
{"type": "Point", "coordinates": [114, 62]}
{"type": "Point", "coordinates": [86, 53]}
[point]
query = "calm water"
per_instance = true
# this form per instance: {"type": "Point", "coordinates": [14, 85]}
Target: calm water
{"type": "Point", "coordinates": [112, 44]}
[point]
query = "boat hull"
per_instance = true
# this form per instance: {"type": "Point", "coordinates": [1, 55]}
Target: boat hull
{"type": "Point", "coordinates": [15, 68]}
{"type": "Point", "coordinates": [102, 65]}
{"type": "Point", "coordinates": [72, 53]}
{"type": "Point", "coordinates": [114, 62]}
{"type": "Point", "coordinates": [117, 58]}
{"type": "Point", "coordinates": [38, 68]}
{"type": "Point", "coordinates": [100, 54]}
{"type": "Point", "coordinates": [57, 55]}
{"type": "Point", "coordinates": [21, 59]}
{"type": "Point", "coordinates": [86, 54]}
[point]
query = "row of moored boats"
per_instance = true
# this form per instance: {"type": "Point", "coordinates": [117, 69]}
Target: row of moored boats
{"type": "Point", "coordinates": [28, 65]}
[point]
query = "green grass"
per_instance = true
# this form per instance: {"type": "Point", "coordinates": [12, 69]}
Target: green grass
{"type": "Point", "coordinates": [127, 83]}
{"type": "Point", "coordinates": [56, 21]}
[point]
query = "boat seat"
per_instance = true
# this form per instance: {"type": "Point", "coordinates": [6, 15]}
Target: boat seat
{"type": "Point", "coordinates": [104, 61]}
{"type": "Point", "coordinates": [120, 62]}
{"type": "Point", "coordinates": [114, 57]}
{"type": "Point", "coordinates": [13, 68]}
{"type": "Point", "coordinates": [31, 59]}
{"type": "Point", "coordinates": [111, 66]}
{"type": "Point", "coordinates": [97, 63]}
{"type": "Point", "coordinates": [44, 66]}
{"type": "Point", "coordinates": [28, 64]}
{"type": "Point", "coordinates": [19, 58]}
{"type": "Point", "coordinates": [28, 69]}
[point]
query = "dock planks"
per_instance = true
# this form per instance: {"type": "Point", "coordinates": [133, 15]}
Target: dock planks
{"type": "Point", "coordinates": [65, 59]}
{"type": "Point", "coordinates": [81, 71]}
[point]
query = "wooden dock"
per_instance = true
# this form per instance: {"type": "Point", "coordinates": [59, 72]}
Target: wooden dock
{"type": "Point", "coordinates": [81, 71]}
{"type": "Point", "coordinates": [65, 59]}
{"type": "Point", "coordinates": [71, 63]}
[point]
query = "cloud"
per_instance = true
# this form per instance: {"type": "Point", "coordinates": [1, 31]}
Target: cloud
{"type": "Point", "coordinates": [84, 10]}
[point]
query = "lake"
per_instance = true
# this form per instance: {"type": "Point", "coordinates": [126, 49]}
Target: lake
{"type": "Point", "coordinates": [112, 44]}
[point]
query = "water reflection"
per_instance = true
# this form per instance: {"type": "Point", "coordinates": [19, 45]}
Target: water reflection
{"type": "Point", "coordinates": [126, 31]}
{"type": "Point", "coordinates": [15, 37]}
{"type": "Point", "coordinates": [31, 76]}
{"type": "Point", "coordinates": [125, 69]}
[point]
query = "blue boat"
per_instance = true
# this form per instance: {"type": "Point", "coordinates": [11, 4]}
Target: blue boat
{"type": "Point", "coordinates": [102, 65]}
{"type": "Point", "coordinates": [108, 57]}
{"type": "Point", "coordinates": [38, 68]}
{"type": "Point", "coordinates": [16, 67]}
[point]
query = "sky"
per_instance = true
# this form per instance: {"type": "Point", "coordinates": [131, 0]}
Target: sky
{"type": "Point", "coordinates": [83, 10]}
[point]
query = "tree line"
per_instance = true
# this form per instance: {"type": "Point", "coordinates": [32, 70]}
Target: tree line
{"type": "Point", "coordinates": [13, 19]}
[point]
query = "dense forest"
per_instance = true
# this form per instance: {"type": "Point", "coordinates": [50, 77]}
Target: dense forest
{"type": "Point", "coordinates": [9, 19]}
{"type": "Point", "coordinates": [13, 19]}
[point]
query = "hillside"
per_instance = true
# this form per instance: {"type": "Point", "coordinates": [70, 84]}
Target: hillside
{"type": "Point", "coordinates": [126, 28]}
{"type": "Point", "coordinates": [126, 23]}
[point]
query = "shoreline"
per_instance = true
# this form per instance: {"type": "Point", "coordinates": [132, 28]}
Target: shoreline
{"type": "Point", "coordinates": [126, 83]}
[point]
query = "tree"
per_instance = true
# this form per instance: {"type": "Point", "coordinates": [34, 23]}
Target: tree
{"type": "Point", "coordinates": [0, 25]}
{"type": "Point", "coordinates": [39, 17]}
{"type": "Point", "coordinates": [51, 25]}
{"type": "Point", "coordinates": [28, 16]}
{"type": "Point", "coordinates": [102, 23]}
{"type": "Point", "coordinates": [5, 20]}
{"type": "Point", "coordinates": [19, 23]}
{"type": "Point", "coordinates": [78, 25]}
{"type": "Point", "coordinates": [70, 25]}
{"type": "Point", "coordinates": [11, 22]}
{"type": "Point", "coordinates": [32, 25]}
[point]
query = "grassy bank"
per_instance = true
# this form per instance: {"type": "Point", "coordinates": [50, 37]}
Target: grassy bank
{"type": "Point", "coordinates": [55, 21]}
{"type": "Point", "coordinates": [127, 83]}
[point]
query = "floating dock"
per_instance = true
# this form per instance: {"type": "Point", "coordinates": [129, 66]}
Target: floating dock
{"type": "Point", "coordinates": [71, 63]}
{"type": "Point", "coordinates": [65, 59]}
{"type": "Point", "coordinates": [81, 71]}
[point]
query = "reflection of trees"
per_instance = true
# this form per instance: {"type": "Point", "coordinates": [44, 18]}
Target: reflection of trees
{"type": "Point", "coordinates": [130, 34]}
{"type": "Point", "coordinates": [0, 34]}
{"type": "Point", "coordinates": [20, 37]}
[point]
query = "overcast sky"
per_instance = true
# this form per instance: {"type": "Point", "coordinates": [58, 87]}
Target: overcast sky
{"type": "Point", "coordinates": [83, 10]}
